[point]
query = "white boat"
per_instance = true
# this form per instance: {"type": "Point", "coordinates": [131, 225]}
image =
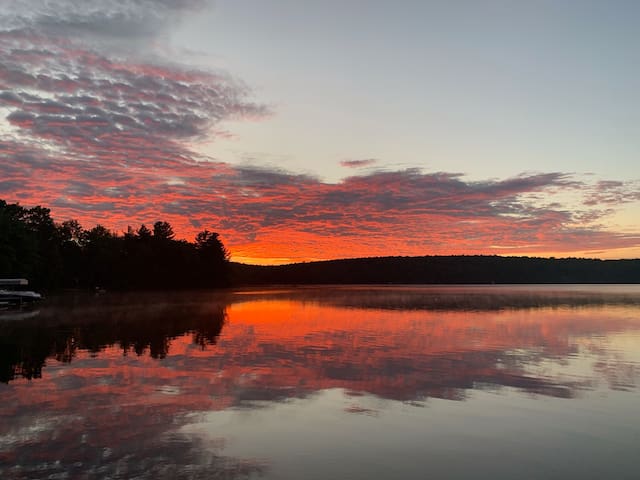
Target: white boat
{"type": "Point", "coordinates": [11, 297]}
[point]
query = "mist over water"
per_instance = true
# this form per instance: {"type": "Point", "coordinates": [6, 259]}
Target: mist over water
{"type": "Point", "coordinates": [333, 382]}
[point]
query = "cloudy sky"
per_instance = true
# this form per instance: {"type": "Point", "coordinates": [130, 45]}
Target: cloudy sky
{"type": "Point", "coordinates": [305, 130]}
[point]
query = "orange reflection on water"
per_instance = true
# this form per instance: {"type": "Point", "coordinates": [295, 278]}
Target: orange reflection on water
{"type": "Point", "coordinates": [152, 371]}
{"type": "Point", "coordinates": [409, 354]}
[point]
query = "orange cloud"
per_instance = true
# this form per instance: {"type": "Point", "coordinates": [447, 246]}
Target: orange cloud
{"type": "Point", "coordinates": [106, 140]}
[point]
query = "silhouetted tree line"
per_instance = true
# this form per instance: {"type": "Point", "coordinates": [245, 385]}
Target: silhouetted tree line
{"type": "Point", "coordinates": [65, 255]}
{"type": "Point", "coordinates": [473, 269]}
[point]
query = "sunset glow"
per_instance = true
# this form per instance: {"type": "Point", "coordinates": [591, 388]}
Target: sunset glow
{"type": "Point", "coordinates": [129, 112]}
{"type": "Point", "coordinates": [270, 348]}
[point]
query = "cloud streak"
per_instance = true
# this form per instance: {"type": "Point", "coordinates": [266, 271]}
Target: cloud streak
{"type": "Point", "coordinates": [99, 127]}
{"type": "Point", "coordinates": [365, 162]}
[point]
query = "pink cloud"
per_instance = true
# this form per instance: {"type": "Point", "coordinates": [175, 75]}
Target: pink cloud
{"type": "Point", "coordinates": [105, 138]}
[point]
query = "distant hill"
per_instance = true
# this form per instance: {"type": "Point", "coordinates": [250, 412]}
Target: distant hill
{"type": "Point", "coordinates": [472, 269]}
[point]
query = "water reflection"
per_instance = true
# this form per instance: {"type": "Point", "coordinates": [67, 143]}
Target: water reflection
{"type": "Point", "coordinates": [112, 386]}
{"type": "Point", "coordinates": [402, 343]}
{"type": "Point", "coordinates": [454, 297]}
{"type": "Point", "coordinates": [140, 324]}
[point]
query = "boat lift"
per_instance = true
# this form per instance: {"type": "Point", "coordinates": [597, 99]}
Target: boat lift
{"type": "Point", "coordinates": [12, 296]}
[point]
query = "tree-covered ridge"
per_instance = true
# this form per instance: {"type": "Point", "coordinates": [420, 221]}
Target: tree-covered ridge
{"type": "Point", "coordinates": [65, 255]}
{"type": "Point", "coordinates": [458, 269]}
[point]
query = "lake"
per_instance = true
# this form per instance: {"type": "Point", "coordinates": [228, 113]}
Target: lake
{"type": "Point", "coordinates": [358, 382]}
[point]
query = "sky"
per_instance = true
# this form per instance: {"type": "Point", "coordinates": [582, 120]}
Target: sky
{"type": "Point", "coordinates": [304, 130]}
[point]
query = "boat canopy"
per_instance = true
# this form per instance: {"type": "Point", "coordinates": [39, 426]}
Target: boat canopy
{"type": "Point", "coordinates": [14, 282]}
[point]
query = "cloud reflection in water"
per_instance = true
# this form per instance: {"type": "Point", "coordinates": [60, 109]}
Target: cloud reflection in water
{"type": "Point", "coordinates": [115, 379]}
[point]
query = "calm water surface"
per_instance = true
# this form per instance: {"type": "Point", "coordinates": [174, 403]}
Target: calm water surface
{"type": "Point", "coordinates": [491, 382]}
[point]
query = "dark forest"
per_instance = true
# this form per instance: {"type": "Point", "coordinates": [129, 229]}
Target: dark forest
{"type": "Point", "coordinates": [65, 255]}
{"type": "Point", "coordinates": [461, 269]}
{"type": "Point", "coordinates": [54, 255]}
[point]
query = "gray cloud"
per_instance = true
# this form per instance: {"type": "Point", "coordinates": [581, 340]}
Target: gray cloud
{"type": "Point", "coordinates": [97, 19]}
{"type": "Point", "coordinates": [96, 123]}
{"type": "Point", "coordinates": [607, 192]}
{"type": "Point", "coordinates": [72, 101]}
{"type": "Point", "coordinates": [367, 162]}
{"type": "Point", "coordinates": [10, 186]}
